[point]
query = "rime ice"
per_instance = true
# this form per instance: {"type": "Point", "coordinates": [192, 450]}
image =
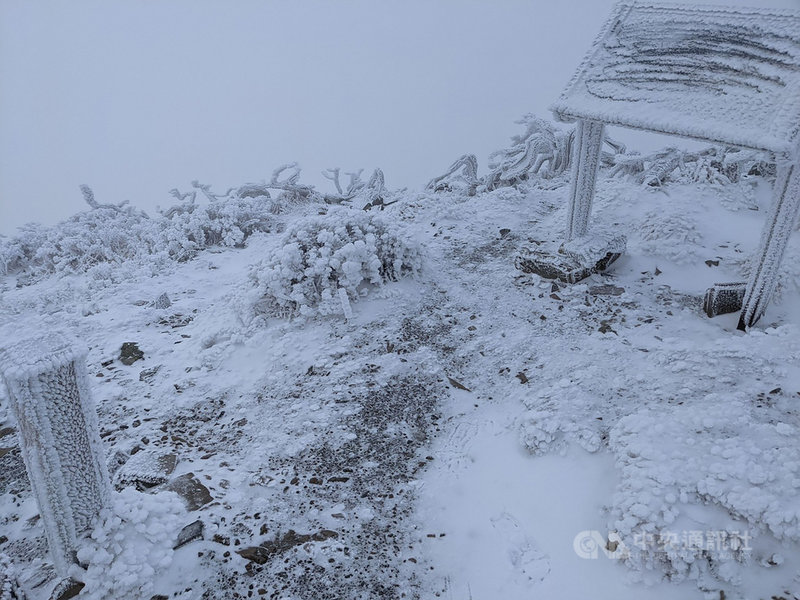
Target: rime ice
{"type": "Point", "coordinates": [47, 385]}
{"type": "Point", "coordinates": [730, 76]}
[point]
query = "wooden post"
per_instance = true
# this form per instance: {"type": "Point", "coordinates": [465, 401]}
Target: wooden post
{"type": "Point", "coordinates": [48, 389]}
{"type": "Point", "coordinates": [778, 228]}
{"type": "Point", "coordinates": [586, 162]}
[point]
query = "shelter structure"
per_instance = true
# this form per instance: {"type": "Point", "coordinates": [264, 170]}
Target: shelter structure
{"type": "Point", "coordinates": [726, 75]}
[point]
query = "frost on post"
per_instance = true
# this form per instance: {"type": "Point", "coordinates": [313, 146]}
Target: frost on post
{"type": "Point", "coordinates": [48, 388]}
{"type": "Point", "coordinates": [727, 75]}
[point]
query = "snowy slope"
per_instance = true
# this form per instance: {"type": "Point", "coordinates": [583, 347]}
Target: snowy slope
{"type": "Point", "coordinates": [455, 436]}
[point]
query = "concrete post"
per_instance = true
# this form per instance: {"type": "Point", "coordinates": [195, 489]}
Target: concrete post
{"type": "Point", "coordinates": [48, 388]}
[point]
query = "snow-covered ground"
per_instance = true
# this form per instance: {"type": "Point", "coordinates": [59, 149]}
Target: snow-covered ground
{"type": "Point", "coordinates": [471, 431]}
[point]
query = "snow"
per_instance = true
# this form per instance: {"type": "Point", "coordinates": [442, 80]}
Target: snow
{"type": "Point", "coordinates": [131, 543]}
{"type": "Point", "coordinates": [723, 74]}
{"type": "Point", "coordinates": [462, 429]}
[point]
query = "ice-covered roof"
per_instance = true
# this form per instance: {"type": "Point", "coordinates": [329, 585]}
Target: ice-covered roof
{"type": "Point", "coordinates": [722, 74]}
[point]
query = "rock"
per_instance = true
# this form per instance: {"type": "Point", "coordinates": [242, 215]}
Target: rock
{"type": "Point", "coordinates": [146, 469]}
{"type": "Point", "coordinates": [575, 260]}
{"type": "Point", "coordinates": [595, 250]}
{"type": "Point", "coordinates": [13, 477]}
{"type": "Point", "coordinates": [606, 290]}
{"type": "Point", "coordinates": [115, 461]}
{"type": "Point", "coordinates": [457, 385]}
{"type": "Point", "coordinates": [67, 588]}
{"type": "Point", "coordinates": [194, 493]}
{"type": "Point", "coordinates": [261, 554]}
{"type": "Point", "coordinates": [162, 301]}
{"type": "Point", "coordinates": [256, 554]}
{"type": "Point", "coordinates": [551, 266]}
{"type": "Point", "coordinates": [147, 375]}
{"type": "Point", "coordinates": [193, 531]}
{"type": "Point", "coordinates": [724, 298]}
{"type": "Point", "coordinates": [130, 353]}
{"type": "Point", "coordinates": [5, 431]}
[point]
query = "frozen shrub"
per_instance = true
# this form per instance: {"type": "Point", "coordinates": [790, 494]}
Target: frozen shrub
{"type": "Point", "coordinates": [223, 222]}
{"type": "Point", "coordinates": [109, 234]}
{"type": "Point", "coordinates": [715, 165]}
{"type": "Point", "coordinates": [345, 249]}
{"type": "Point", "coordinates": [462, 174]}
{"type": "Point", "coordinates": [88, 238]}
{"type": "Point", "coordinates": [672, 234]}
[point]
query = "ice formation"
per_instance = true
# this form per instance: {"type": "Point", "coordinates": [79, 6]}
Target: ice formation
{"type": "Point", "coordinates": [727, 75]}
{"type": "Point", "coordinates": [48, 387]}
{"type": "Point", "coordinates": [720, 74]}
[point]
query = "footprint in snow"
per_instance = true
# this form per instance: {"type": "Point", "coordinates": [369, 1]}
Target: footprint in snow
{"type": "Point", "coordinates": [531, 564]}
{"type": "Point", "coordinates": [455, 451]}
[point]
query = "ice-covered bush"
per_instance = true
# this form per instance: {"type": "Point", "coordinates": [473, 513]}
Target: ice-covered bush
{"type": "Point", "coordinates": [88, 238]}
{"type": "Point", "coordinates": [131, 545]}
{"type": "Point", "coordinates": [668, 232]}
{"type": "Point", "coordinates": [223, 222]}
{"type": "Point", "coordinates": [343, 249]}
{"type": "Point", "coordinates": [113, 235]}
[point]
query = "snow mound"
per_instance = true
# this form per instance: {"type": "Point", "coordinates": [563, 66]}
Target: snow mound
{"type": "Point", "coordinates": [130, 545]}
{"type": "Point", "coordinates": [719, 458]}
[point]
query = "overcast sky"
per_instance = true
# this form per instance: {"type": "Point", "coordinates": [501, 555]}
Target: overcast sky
{"type": "Point", "coordinates": [137, 97]}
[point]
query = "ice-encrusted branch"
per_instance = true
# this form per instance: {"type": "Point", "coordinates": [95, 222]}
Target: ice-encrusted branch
{"type": "Point", "coordinates": [48, 388]}
{"type": "Point", "coordinates": [354, 186]}
{"type": "Point", "coordinates": [715, 164]}
{"type": "Point", "coordinates": [463, 170]}
{"type": "Point", "coordinates": [542, 150]}
{"type": "Point", "coordinates": [123, 207]}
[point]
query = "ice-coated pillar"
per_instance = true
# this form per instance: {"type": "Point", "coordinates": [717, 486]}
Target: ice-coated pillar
{"type": "Point", "coordinates": [586, 162]}
{"type": "Point", "coordinates": [48, 388]}
{"type": "Point", "coordinates": [778, 228]}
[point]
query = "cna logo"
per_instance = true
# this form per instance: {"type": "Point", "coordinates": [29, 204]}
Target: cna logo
{"type": "Point", "coordinates": [590, 543]}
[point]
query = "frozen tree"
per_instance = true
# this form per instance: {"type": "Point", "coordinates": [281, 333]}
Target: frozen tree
{"type": "Point", "coordinates": [354, 186]}
{"type": "Point", "coordinates": [462, 171]}
{"type": "Point", "coordinates": [124, 206]}
{"type": "Point", "coordinates": [48, 388]}
{"type": "Point", "coordinates": [293, 190]}
{"type": "Point", "coordinates": [542, 149]}
{"type": "Point", "coordinates": [367, 195]}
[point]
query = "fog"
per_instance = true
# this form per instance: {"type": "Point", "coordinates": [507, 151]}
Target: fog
{"type": "Point", "coordinates": [136, 98]}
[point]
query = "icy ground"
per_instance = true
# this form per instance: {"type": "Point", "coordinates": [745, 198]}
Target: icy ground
{"type": "Point", "coordinates": [455, 436]}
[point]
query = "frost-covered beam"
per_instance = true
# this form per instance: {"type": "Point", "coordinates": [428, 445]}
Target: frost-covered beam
{"type": "Point", "coordinates": [774, 237]}
{"type": "Point", "coordinates": [48, 389]}
{"type": "Point", "coordinates": [586, 162]}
